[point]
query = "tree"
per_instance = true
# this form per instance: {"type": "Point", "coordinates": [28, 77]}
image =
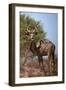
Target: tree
{"type": "Point", "coordinates": [30, 25]}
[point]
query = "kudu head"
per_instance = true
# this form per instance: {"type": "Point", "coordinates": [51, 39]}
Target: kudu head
{"type": "Point", "coordinates": [31, 33]}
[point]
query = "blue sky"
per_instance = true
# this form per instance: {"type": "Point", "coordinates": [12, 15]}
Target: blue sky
{"type": "Point", "coordinates": [49, 22]}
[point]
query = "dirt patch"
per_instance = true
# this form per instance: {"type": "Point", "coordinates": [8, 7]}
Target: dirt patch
{"type": "Point", "coordinates": [32, 69]}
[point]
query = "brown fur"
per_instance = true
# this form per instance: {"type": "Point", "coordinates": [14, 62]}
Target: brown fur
{"type": "Point", "coordinates": [43, 50]}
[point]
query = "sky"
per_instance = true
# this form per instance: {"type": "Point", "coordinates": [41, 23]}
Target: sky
{"type": "Point", "coordinates": [49, 23]}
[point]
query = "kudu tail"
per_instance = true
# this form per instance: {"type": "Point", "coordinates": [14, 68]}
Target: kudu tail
{"type": "Point", "coordinates": [53, 52]}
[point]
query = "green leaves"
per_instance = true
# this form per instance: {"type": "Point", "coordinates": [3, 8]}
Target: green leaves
{"type": "Point", "coordinates": [27, 22]}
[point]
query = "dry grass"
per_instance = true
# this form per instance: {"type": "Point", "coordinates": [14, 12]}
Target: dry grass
{"type": "Point", "coordinates": [32, 69]}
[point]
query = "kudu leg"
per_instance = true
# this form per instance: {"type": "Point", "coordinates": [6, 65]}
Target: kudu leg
{"type": "Point", "coordinates": [51, 66]}
{"type": "Point", "coordinates": [43, 68]}
{"type": "Point", "coordinates": [41, 65]}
